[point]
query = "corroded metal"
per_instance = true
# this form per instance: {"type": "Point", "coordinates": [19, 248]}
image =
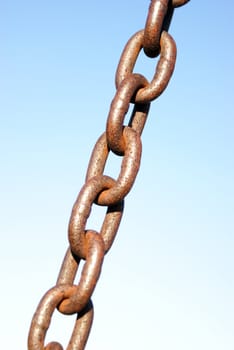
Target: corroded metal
{"type": "Point", "coordinates": [124, 140]}
{"type": "Point", "coordinates": [154, 27]}
{"type": "Point", "coordinates": [163, 72]}
{"type": "Point", "coordinates": [119, 107]}
{"type": "Point", "coordinates": [129, 168]}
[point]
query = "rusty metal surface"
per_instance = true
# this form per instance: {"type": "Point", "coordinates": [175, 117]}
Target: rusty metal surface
{"type": "Point", "coordinates": [123, 139]}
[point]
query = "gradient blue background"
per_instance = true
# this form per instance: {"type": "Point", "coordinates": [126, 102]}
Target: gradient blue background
{"type": "Point", "coordinates": [167, 282]}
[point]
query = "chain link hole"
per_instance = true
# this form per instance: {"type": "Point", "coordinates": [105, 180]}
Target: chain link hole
{"type": "Point", "coordinates": [95, 219]}
{"type": "Point", "coordinates": [113, 165]}
{"type": "Point", "coordinates": [58, 327]}
{"type": "Point", "coordinates": [146, 65]}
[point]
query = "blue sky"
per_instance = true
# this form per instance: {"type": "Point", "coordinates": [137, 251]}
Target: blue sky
{"type": "Point", "coordinates": [167, 282]}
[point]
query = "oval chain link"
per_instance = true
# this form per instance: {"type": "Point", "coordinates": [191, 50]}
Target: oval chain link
{"type": "Point", "coordinates": [129, 167]}
{"type": "Point", "coordinates": [163, 72]}
{"type": "Point", "coordinates": [100, 189]}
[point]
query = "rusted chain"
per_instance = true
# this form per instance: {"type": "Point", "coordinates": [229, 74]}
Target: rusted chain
{"type": "Point", "coordinates": [163, 72]}
{"type": "Point", "coordinates": [123, 140]}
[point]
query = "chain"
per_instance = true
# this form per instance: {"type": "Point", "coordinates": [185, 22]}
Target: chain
{"type": "Point", "coordinates": [125, 141]}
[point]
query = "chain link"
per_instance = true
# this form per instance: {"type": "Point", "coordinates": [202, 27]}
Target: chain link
{"type": "Point", "coordinates": [123, 140]}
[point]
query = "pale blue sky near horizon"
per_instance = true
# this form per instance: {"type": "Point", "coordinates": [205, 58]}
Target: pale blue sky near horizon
{"type": "Point", "coordinates": [167, 282]}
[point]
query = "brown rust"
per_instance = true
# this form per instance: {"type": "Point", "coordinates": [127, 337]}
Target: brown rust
{"type": "Point", "coordinates": [100, 189]}
{"type": "Point", "coordinates": [81, 211]}
{"type": "Point", "coordinates": [77, 298]}
{"type": "Point", "coordinates": [119, 108]}
{"type": "Point", "coordinates": [129, 167]}
{"type": "Point", "coordinates": [163, 71]}
{"type": "Point", "coordinates": [154, 26]}
{"type": "Point", "coordinates": [178, 3]}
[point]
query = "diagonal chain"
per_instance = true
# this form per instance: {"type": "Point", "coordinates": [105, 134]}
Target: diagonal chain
{"type": "Point", "coordinates": [123, 140]}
